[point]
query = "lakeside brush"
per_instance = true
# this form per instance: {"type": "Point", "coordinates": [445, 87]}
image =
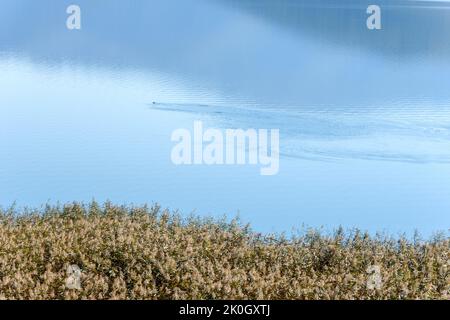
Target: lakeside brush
{"type": "Point", "coordinates": [117, 252]}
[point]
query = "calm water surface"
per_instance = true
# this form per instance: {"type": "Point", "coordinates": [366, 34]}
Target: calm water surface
{"type": "Point", "coordinates": [364, 116]}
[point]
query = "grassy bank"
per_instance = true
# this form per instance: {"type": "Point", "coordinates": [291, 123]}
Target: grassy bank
{"type": "Point", "coordinates": [143, 253]}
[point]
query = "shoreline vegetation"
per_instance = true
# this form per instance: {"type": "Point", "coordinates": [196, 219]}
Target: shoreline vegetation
{"type": "Point", "coordinates": [92, 251]}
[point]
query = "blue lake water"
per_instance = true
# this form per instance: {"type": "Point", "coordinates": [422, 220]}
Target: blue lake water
{"type": "Point", "coordinates": [364, 116]}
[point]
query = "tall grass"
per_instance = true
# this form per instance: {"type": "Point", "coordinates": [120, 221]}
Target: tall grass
{"type": "Point", "coordinates": [146, 253]}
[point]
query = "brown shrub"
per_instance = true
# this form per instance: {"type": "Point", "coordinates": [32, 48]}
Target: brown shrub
{"type": "Point", "coordinates": [142, 253]}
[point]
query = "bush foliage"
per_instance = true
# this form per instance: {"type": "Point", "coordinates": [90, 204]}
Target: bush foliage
{"type": "Point", "coordinates": [146, 253]}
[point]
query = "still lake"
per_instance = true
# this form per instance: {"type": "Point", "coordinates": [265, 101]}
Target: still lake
{"type": "Point", "coordinates": [364, 115]}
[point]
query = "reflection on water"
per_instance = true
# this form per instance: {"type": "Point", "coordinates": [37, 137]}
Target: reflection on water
{"type": "Point", "coordinates": [364, 116]}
